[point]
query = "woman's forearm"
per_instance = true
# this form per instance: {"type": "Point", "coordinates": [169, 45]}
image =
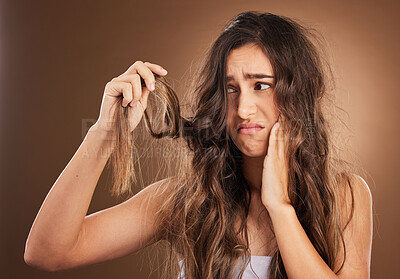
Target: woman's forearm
{"type": "Point", "coordinates": [299, 256]}
{"type": "Point", "coordinates": [59, 221]}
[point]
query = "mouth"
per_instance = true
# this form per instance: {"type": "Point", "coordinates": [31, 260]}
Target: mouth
{"type": "Point", "coordinates": [250, 128]}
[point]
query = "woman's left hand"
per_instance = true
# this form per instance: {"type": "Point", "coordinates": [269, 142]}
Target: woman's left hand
{"type": "Point", "coordinates": [274, 186]}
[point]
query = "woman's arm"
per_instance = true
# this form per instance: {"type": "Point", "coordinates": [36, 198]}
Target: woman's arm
{"type": "Point", "coordinates": [299, 256]}
{"type": "Point", "coordinates": [359, 232]}
{"type": "Point", "coordinates": [58, 224]}
{"type": "Point", "coordinates": [62, 237]}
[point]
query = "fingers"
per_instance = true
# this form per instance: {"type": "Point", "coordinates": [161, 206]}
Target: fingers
{"type": "Point", "coordinates": [145, 70]}
{"type": "Point", "coordinates": [133, 81]}
{"type": "Point", "coordinates": [129, 83]}
{"type": "Point", "coordinates": [281, 138]}
{"type": "Point", "coordinates": [133, 76]}
{"type": "Point", "coordinates": [144, 98]}
{"type": "Point", "coordinates": [277, 140]}
{"type": "Point", "coordinates": [156, 68]}
{"type": "Point", "coordinates": [137, 88]}
{"type": "Point", "coordinates": [273, 140]}
{"type": "Point", "coordinates": [116, 87]}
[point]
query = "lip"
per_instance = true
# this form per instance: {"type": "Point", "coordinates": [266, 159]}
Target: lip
{"type": "Point", "coordinates": [249, 128]}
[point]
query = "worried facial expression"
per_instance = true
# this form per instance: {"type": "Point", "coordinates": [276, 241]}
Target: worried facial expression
{"type": "Point", "coordinates": [250, 88]}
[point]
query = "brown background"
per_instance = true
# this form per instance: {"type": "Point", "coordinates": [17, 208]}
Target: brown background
{"type": "Point", "coordinates": [56, 57]}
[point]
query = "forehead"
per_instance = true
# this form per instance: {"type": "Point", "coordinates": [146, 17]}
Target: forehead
{"type": "Point", "coordinates": [249, 58]}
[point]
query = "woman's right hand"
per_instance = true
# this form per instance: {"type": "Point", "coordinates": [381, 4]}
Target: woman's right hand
{"type": "Point", "coordinates": [135, 97]}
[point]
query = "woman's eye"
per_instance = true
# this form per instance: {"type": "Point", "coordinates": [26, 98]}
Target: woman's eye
{"type": "Point", "coordinates": [259, 86]}
{"type": "Point", "coordinates": [262, 86]}
{"type": "Point", "coordinates": [230, 90]}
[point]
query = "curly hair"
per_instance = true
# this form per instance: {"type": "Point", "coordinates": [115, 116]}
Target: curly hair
{"type": "Point", "coordinates": [211, 193]}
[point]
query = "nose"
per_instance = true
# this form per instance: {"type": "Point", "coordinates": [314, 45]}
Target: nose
{"type": "Point", "coordinates": [246, 105]}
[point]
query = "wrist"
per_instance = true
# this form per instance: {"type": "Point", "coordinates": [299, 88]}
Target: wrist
{"type": "Point", "coordinates": [103, 133]}
{"type": "Point", "coordinates": [281, 210]}
{"type": "Point", "coordinates": [106, 137]}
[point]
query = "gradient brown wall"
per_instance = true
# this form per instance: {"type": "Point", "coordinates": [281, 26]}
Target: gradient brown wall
{"type": "Point", "coordinates": [56, 57]}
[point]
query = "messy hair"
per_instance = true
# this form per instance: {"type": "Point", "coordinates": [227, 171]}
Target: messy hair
{"type": "Point", "coordinates": [211, 193]}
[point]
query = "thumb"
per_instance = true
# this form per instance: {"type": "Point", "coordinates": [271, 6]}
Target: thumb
{"type": "Point", "coordinates": [145, 96]}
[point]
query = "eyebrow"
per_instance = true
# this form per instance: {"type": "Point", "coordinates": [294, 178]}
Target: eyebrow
{"type": "Point", "coordinates": [250, 76]}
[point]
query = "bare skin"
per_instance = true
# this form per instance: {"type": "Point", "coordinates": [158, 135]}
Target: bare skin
{"type": "Point", "coordinates": [62, 237]}
{"type": "Point", "coordinates": [265, 169]}
{"type": "Point", "coordinates": [251, 101]}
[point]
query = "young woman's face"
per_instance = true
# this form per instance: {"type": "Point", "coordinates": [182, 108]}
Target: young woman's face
{"type": "Point", "coordinates": [251, 112]}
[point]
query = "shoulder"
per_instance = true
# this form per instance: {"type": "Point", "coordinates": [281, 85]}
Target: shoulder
{"type": "Point", "coordinates": [357, 228]}
{"type": "Point", "coordinates": [355, 192]}
{"type": "Point", "coordinates": [162, 188]}
{"type": "Point", "coordinates": [152, 200]}
{"type": "Point", "coordinates": [361, 193]}
{"type": "Point", "coordinates": [362, 199]}
{"type": "Point", "coordinates": [159, 190]}
{"type": "Point", "coordinates": [160, 195]}
{"type": "Point", "coordinates": [361, 188]}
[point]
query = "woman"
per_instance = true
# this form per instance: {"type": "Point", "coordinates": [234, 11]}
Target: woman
{"type": "Point", "coordinates": [262, 186]}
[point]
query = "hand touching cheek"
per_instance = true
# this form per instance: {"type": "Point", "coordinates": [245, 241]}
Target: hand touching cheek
{"type": "Point", "coordinates": [274, 193]}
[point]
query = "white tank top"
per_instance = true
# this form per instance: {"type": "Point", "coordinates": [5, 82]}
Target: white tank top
{"type": "Point", "coordinates": [258, 266]}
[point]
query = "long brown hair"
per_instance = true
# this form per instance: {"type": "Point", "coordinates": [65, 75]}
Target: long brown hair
{"type": "Point", "coordinates": [211, 193]}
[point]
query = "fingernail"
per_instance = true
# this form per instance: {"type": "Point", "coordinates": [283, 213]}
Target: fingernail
{"type": "Point", "coordinates": [133, 103]}
{"type": "Point", "coordinates": [152, 86]}
{"type": "Point", "coordinates": [163, 70]}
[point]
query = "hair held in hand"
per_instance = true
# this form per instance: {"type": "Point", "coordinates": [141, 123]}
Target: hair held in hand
{"type": "Point", "coordinates": [199, 216]}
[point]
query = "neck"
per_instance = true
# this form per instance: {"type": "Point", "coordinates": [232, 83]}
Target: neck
{"type": "Point", "coordinates": [252, 171]}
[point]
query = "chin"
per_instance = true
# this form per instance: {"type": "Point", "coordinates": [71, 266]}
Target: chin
{"type": "Point", "coordinates": [253, 151]}
{"type": "Point", "coordinates": [254, 154]}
